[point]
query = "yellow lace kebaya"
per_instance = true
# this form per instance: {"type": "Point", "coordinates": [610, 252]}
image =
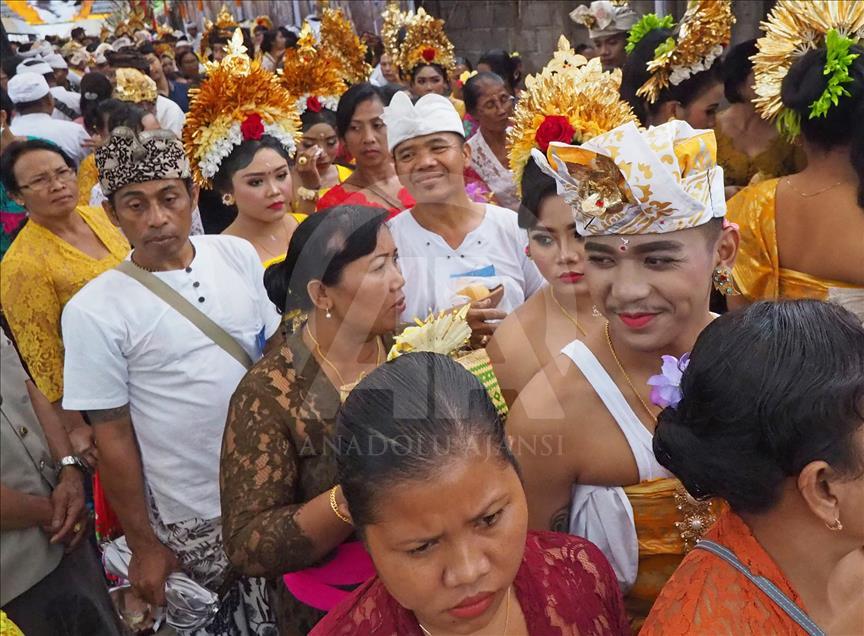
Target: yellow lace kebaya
{"type": "Point", "coordinates": [39, 274]}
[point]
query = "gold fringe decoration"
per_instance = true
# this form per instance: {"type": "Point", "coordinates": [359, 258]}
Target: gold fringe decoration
{"type": "Point", "coordinates": [338, 35]}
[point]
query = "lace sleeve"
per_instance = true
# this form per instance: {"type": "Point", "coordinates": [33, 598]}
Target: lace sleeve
{"type": "Point", "coordinates": [33, 312]}
{"type": "Point", "coordinates": [258, 480]}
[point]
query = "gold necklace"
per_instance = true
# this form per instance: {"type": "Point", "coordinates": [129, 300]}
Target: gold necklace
{"type": "Point", "coordinates": [379, 348]}
{"type": "Point", "coordinates": [272, 238]}
{"type": "Point", "coordinates": [627, 377]}
{"type": "Point", "coordinates": [506, 617]}
{"type": "Point", "coordinates": [812, 194]}
{"type": "Point", "coordinates": [567, 313]}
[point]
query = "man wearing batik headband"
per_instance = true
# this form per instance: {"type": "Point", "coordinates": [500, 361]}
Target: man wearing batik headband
{"type": "Point", "coordinates": [651, 207]}
{"type": "Point", "coordinates": [452, 250]}
{"type": "Point", "coordinates": [155, 387]}
{"type": "Point", "coordinates": [608, 22]}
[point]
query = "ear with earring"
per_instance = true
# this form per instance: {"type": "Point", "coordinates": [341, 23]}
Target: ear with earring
{"type": "Point", "coordinates": [722, 279]}
{"type": "Point", "coordinates": [527, 251]}
{"type": "Point", "coordinates": [228, 199]}
{"type": "Point", "coordinates": [835, 525]}
{"type": "Point", "coordinates": [328, 315]}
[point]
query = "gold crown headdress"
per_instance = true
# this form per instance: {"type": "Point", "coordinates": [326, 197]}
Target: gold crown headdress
{"type": "Point", "coordinates": [265, 21]}
{"type": "Point", "coordinates": [569, 101]}
{"type": "Point", "coordinates": [425, 43]}
{"type": "Point", "coordinates": [223, 27]}
{"type": "Point", "coordinates": [311, 73]}
{"type": "Point", "coordinates": [133, 86]}
{"type": "Point", "coordinates": [393, 20]}
{"type": "Point", "coordinates": [338, 36]}
{"type": "Point", "coordinates": [237, 101]}
{"type": "Point", "coordinates": [703, 33]}
{"type": "Point", "coordinates": [127, 26]}
{"type": "Point", "coordinates": [794, 27]}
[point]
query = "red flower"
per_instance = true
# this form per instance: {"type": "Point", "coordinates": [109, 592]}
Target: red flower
{"type": "Point", "coordinates": [428, 54]}
{"type": "Point", "coordinates": [554, 128]}
{"type": "Point", "coordinates": [313, 104]}
{"type": "Point", "coordinates": [252, 127]}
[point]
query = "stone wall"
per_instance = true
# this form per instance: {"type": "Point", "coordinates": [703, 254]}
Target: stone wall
{"type": "Point", "coordinates": [532, 27]}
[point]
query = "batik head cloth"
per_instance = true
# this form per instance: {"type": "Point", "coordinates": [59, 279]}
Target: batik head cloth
{"type": "Point", "coordinates": [628, 181]}
{"type": "Point", "coordinates": [129, 157]}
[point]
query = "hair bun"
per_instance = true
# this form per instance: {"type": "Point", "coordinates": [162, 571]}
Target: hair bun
{"type": "Point", "coordinates": [805, 82]}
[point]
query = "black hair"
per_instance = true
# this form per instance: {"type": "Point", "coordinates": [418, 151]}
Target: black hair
{"type": "Point", "coordinates": [97, 119]}
{"type": "Point", "coordinates": [10, 64]}
{"type": "Point", "coordinates": [767, 391]}
{"type": "Point", "coordinates": [635, 74]}
{"type": "Point", "coordinates": [95, 88]}
{"type": "Point", "coordinates": [179, 59]}
{"type": "Point", "coordinates": [536, 186]}
{"type": "Point", "coordinates": [146, 48]}
{"type": "Point", "coordinates": [241, 156]}
{"type": "Point", "coordinates": [130, 60]}
{"type": "Point", "coordinates": [419, 67]}
{"type": "Point", "coordinates": [464, 61]}
{"type": "Point", "coordinates": [320, 248]}
{"type": "Point", "coordinates": [324, 116]}
{"type": "Point", "coordinates": [18, 149]}
{"type": "Point", "coordinates": [736, 69]}
{"type": "Point", "coordinates": [582, 47]}
{"type": "Point", "coordinates": [471, 91]}
{"type": "Point", "coordinates": [388, 91]}
{"type": "Point", "coordinates": [374, 47]}
{"type": "Point", "coordinates": [270, 39]}
{"type": "Point", "coordinates": [406, 422]}
{"type": "Point", "coordinates": [503, 65]}
{"type": "Point", "coordinates": [349, 102]}
{"type": "Point", "coordinates": [6, 105]}
{"type": "Point", "coordinates": [127, 114]}
{"type": "Point", "coordinates": [804, 84]}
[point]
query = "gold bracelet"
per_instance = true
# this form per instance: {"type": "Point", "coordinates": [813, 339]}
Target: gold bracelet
{"type": "Point", "coordinates": [335, 506]}
{"type": "Point", "coordinates": [307, 194]}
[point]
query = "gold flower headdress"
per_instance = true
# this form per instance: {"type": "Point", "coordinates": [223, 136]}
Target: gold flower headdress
{"type": "Point", "coordinates": [393, 20]}
{"type": "Point", "coordinates": [311, 73]}
{"type": "Point", "coordinates": [794, 27]}
{"type": "Point", "coordinates": [133, 86]}
{"type": "Point", "coordinates": [703, 33]}
{"type": "Point", "coordinates": [425, 43]}
{"type": "Point", "coordinates": [337, 34]}
{"type": "Point", "coordinates": [237, 101]}
{"type": "Point", "coordinates": [223, 26]}
{"type": "Point", "coordinates": [570, 101]}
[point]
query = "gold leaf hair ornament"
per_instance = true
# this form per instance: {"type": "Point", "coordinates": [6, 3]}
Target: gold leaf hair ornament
{"type": "Point", "coordinates": [703, 33]}
{"type": "Point", "coordinates": [393, 21]}
{"type": "Point", "coordinates": [312, 74]}
{"type": "Point", "coordinates": [133, 86]}
{"type": "Point", "coordinates": [571, 100]}
{"type": "Point", "coordinates": [338, 36]}
{"type": "Point", "coordinates": [238, 101]}
{"type": "Point", "coordinates": [425, 43]}
{"type": "Point", "coordinates": [793, 28]}
{"type": "Point", "coordinates": [223, 27]}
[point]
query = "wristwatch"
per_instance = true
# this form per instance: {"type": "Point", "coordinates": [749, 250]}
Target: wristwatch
{"type": "Point", "coordinates": [73, 460]}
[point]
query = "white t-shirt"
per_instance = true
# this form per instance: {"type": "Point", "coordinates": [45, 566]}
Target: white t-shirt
{"type": "Point", "coordinates": [66, 134]}
{"type": "Point", "coordinates": [492, 254]}
{"type": "Point", "coordinates": [169, 115]}
{"type": "Point", "coordinates": [126, 345]}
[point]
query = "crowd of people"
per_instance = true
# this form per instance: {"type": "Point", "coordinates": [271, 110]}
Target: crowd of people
{"type": "Point", "coordinates": [312, 332]}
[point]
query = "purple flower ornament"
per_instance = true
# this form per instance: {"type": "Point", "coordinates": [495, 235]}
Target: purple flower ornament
{"type": "Point", "coordinates": [666, 387]}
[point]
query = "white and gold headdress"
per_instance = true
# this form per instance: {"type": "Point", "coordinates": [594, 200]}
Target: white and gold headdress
{"type": "Point", "coordinates": [628, 181]}
{"type": "Point", "coordinates": [603, 18]}
{"type": "Point", "coordinates": [237, 101]}
{"type": "Point", "coordinates": [794, 27]}
{"type": "Point", "coordinates": [425, 42]}
{"type": "Point", "coordinates": [312, 73]}
{"type": "Point", "coordinates": [571, 100]}
{"type": "Point", "coordinates": [703, 33]}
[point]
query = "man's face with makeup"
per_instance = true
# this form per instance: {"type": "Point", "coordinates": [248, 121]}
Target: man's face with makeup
{"type": "Point", "coordinates": [653, 287]}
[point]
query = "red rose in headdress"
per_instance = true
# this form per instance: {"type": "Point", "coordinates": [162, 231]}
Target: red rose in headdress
{"type": "Point", "coordinates": [252, 127]}
{"type": "Point", "coordinates": [554, 128]}
{"type": "Point", "coordinates": [428, 54]}
{"type": "Point", "coordinates": [313, 104]}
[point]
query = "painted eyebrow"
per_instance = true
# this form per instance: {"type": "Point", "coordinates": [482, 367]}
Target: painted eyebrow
{"type": "Point", "coordinates": [261, 174]}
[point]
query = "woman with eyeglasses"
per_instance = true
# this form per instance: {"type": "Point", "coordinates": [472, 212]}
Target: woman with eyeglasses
{"type": "Point", "coordinates": [489, 102]}
{"type": "Point", "coordinates": [60, 249]}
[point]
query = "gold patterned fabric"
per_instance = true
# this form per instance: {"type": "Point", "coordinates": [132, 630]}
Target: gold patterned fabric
{"type": "Point", "coordinates": [757, 273]}
{"type": "Point", "coordinates": [778, 159]}
{"type": "Point", "coordinates": [667, 524]}
{"type": "Point", "coordinates": [88, 177]}
{"type": "Point", "coordinates": [40, 273]}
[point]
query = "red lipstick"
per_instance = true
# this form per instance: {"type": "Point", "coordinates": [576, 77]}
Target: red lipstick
{"type": "Point", "coordinates": [636, 321]}
{"type": "Point", "coordinates": [473, 606]}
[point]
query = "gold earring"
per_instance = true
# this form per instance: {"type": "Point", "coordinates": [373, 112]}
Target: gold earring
{"type": "Point", "coordinates": [722, 279]}
{"type": "Point", "coordinates": [228, 199]}
{"type": "Point", "coordinates": [835, 525]}
{"type": "Point", "coordinates": [328, 314]}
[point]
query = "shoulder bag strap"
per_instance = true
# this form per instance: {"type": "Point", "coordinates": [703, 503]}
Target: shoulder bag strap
{"type": "Point", "coordinates": [772, 591]}
{"type": "Point", "coordinates": [186, 309]}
